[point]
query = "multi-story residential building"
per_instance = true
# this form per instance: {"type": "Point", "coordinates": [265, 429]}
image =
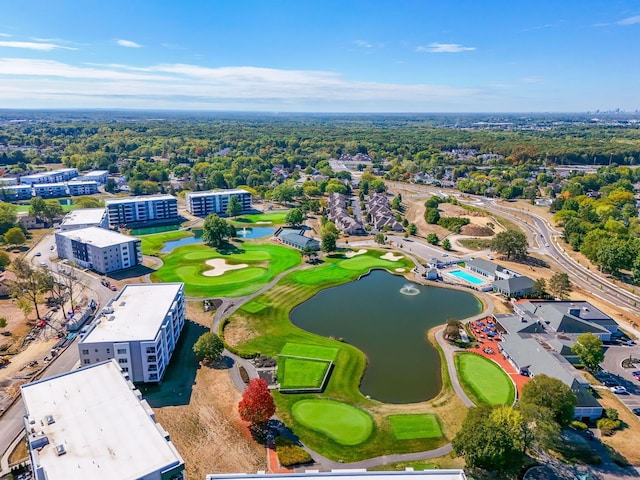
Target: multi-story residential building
{"type": "Point", "coordinates": [99, 249]}
{"type": "Point", "coordinates": [92, 423]}
{"type": "Point", "coordinates": [202, 204]}
{"type": "Point", "coordinates": [16, 192]}
{"type": "Point", "coordinates": [82, 187]}
{"type": "Point", "coordinates": [98, 176]}
{"type": "Point", "coordinates": [8, 181]}
{"type": "Point", "coordinates": [50, 190]}
{"type": "Point", "coordinates": [53, 176]}
{"type": "Point", "coordinates": [139, 329]}
{"type": "Point", "coordinates": [83, 218]}
{"type": "Point", "coordinates": [151, 208]}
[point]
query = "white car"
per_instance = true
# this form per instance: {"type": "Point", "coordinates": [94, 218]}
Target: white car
{"type": "Point", "coordinates": [618, 389]}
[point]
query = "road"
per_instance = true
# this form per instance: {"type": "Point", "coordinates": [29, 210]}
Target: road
{"type": "Point", "coordinates": [11, 421]}
{"type": "Point", "coordinates": [545, 240]}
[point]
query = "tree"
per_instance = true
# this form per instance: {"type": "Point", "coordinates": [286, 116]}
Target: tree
{"type": "Point", "coordinates": [209, 346]}
{"type": "Point", "coordinates": [5, 260]}
{"type": "Point", "coordinates": [294, 217]}
{"type": "Point", "coordinates": [588, 348]}
{"type": "Point", "coordinates": [283, 193]}
{"type": "Point", "coordinates": [87, 202]}
{"type": "Point", "coordinates": [15, 236]}
{"type": "Point", "coordinates": [30, 283]}
{"type": "Point", "coordinates": [539, 288]}
{"type": "Point", "coordinates": [412, 229]}
{"type": "Point", "coordinates": [37, 206]}
{"type": "Point", "coordinates": [543, 391]}
{"type": "Point", "coordinates": [111, 186]}
{"type": "Point", "coordinates": [234, 208]}
{"type": "Point", "coordinates": [257, 405]}
{"type": "Point", "coordinates": [452, 330]}
{"type": "Point", "coordinates": [214, 230]}
{"type": "Point", "coordinates": [560, 285]}
{"type": "Point", "coordinates": [380, 239]}
{"type": "Point", "coordinates": [446, 244]}
{"type": "Point", "coordinates": [491, 438]}
{"type": "Point", "coordinates": [433, 239]}
{"type": "Point", "coordinates": [329, 237]}
{"type": "Point", "coordinates": [432, 216]}
{"type": "Point", "coordinates": [510, 243]}
{"type": "Point", "coordinates": [310, 253]}
{"type": "Point", "coordinates": [68, 285]}
{"type": "Point", "coordinates": [8, 217]}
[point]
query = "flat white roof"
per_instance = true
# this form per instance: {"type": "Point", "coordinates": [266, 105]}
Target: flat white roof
{"type": "Point", "coordinates": [96, 172]}
{"type": "Point", "coordinates": [141, 198]}
{"type": "Point", "coordinates": [138, 313]}
{"type": "Point", "coordinates": [82, 182]}
{"type": "Point", "coordinates": [216, 192]}
{"type": "Point", "coordinates": [97, 236]}
{"type": "Point", "coordinates": [350, 474]}
{"type": "Point", "coordinates": [83, 216]}
{"type": "Point", "coordinates": [102, 425]}
{"type": "Point", "coordinates": [48, 185]}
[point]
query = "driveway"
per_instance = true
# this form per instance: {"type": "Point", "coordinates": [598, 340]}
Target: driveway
{"type": "Point", "coordinates": [612, 363]}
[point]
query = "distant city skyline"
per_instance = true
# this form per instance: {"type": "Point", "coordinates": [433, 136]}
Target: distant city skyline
{"type": "Point", "coordinates": [321, 56]}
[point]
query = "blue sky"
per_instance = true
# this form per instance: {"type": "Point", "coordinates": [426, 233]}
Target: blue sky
{"type": "Point", "coordinates": [321, 56]}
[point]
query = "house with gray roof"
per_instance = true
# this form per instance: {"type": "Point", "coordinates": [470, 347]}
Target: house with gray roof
{"type": "Point", "coordinates": [295, 237]}
{"type": "Point", "coordinates": [506, 282]}
{"type": "Point", "coordinates": [514, 287]}
{"type": "Point", "coordinates": [490, 269]}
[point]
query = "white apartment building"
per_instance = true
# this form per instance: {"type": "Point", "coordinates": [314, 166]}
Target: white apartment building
{"type": "Point", "coordinates": [83, 218]}
{"type": "Point", "coordinates": [50, 190]}
{"type": "Point", "coordinates": [202, 204]}
{"type": "Point", "coordinates": [98, 176]}
{"type": "Point", "coordinates": [99, 249]}
{"type": "Point", "coordinates": [139, 329]}
{"type": "Point", "coordinates": [148, 208]}
{"type": "Point", "coordinates": [82, 187]}
{"type": "Point", "coordinates": [16, 192]}
{"type": "Point", "coordinates": [52, 176]}
{"type": "Point", "coordinates": [93, 424]}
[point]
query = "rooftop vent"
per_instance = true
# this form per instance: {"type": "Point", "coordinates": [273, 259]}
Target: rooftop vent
{"type": "Point", "coordinates": [111, 318]}
{"type": "Point", "coordinates": [49, 419]}
{"type": "Point", "coordinates": [60, 449]}
{"type": "Point", "coordinates": [123, 303]}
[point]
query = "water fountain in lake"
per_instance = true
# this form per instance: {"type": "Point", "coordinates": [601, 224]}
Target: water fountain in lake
{"type": "Point", "coordinates": [409, 289]}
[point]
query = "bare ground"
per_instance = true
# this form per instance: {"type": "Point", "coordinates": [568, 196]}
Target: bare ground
{"type": "Point", "coordinates": [624, 441]}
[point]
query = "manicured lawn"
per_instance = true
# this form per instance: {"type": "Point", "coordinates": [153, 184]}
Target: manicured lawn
{"type": "Point", "coordinates": [25, 208]}
{"type": "Point", "coordinates": [406, 427]}
{"type": "Point", "coordinates": [483, 380]}
{"type": "Point", "coordinates": [309, 351]}
{"type": "Point", "coordinates": [301, 373]}
{"type": "Point", "coordinates": [268, 218]}
{"type": "Point", "coordinates": [187, 264]}
{"type": "Point", "coordinates": [343, 423]}
{"type": "Point", "coordinates": [253, 307]}
{"type": "Point", "coordinates": [152, 244]}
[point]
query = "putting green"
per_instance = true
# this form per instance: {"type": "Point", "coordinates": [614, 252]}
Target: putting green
{"type": "Point", "coordinates": [187, 264]}
{"type": "Point", "coordinates": [407, 427]}
{"type": "Point", "coordinates": [309, 351]}
{"type": "Point", "coordinates": [483, 380]}
{"type": "Point", "coordinates": [267, 219]}
{"type": "Point", "coordinates": [341, 422]}
{"type": "Point", "coordinates": [301, 373]}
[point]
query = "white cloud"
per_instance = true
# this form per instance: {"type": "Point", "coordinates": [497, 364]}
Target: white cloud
{"type": "Point", "coordinates": [6, 35]}
{"type": "Point", "coordinates": [34, 45]}
{"type": "Point", "coordinates": [128, 44]}
{"type": "Point", "coordinates": [436, 47]}
{"type": "Point", "coordinates": [629, 20]}
{"type": "Point", "coordinates": [363, 44]}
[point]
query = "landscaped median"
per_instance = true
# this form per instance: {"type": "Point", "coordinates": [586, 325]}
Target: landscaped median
{"type": "Point", "coordinates": [339, 423]}
{"type": "Point", "coordinates": [483, 380]}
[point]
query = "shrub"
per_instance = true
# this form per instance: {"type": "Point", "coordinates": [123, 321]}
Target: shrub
{"type": "Point", "coordinates": [579, 425]}
{"type": "Point", "coordinates": [453, 224]}
{"type": "Point", "coordinates": [290, 454]}
{"type": "Point", "coordinates": [244, 375]}
{"type": "Point", "coordinates": [595, 460]}
{"type": "Point", "coordinates": [607, 426]}
{"type": "Point", "coordinates": [611, 413]}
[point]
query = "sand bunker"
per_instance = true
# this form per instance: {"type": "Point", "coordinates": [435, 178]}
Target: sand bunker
{"type": "Point", "coordinates": [400, 270]}
{"type": "Point", "coordinates": [352, 254]}
{"type": "Point", "coordinates": [220, 266]}
{"type": "Point", "coordinates": [391, 256]}
{"type": "Point", "coordinates": [264, 223]}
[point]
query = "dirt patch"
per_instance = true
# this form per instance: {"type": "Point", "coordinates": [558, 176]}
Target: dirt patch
{"type": "Point", "coordinates": [238, 332]}
{"type": "Point", "coordinates": [208, 432]}
{"type": "Point", "coordinates": [196, 313]}
{"type": "Point", "coordinates": [624, 441]}
{"type": "Point", "coordinates": [474, 230]}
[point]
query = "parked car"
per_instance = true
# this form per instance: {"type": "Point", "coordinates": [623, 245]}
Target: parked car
{"type": "Point", "coordinates": [636, 411]}
{"type": "Point", "coordinates": [38, 254]}
{"type": "Point", "coordinates": [619, 389]}
{"type": "Point", "coordinates": [105, 282]}
{"type": "Point", "coordinates": [43, 264]}
{"type": "Point", "coordinates": [113, 287]}
{"type": "Point", "coordinates": [590, 435]}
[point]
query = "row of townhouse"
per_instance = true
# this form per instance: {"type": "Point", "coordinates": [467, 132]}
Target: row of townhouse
{"type": "Point", "coordinates": [338, 207]}
{"type": "Point", "coordinates": [12, 193]}
{"type": "Point", "coordinates": [380, 213]}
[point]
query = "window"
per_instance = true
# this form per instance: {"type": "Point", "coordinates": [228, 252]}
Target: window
{"type": "Point", "coordinates": [125, 369]}
{"type": "Point", "coordinates": [123, 360]}
{"type": "Point", "coordinates": [85, 352]}
{"type": "Point", "coordinates": [151, 349]}
{"type": "Point", "coordinates": [108, 350]}
{"type": "Point", "coordinates": [86, 361]}
{"type": "Point", "coordinates": [122, 351]}
{"type": "Point", "coordinates": [96, 350]}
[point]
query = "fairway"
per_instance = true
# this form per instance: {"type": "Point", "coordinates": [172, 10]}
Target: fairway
{"type": "Point", "coordinates": [309, 351]}
{"type": "Point", "coordinates": [296, 373]}
{"type": "Point", "coordinates": [483, 380]}
{"type": "Point", "coordinates": [187, 264]}
{"type": "Point", "coordinates": [269, 218]}
{"type": "Point", "coordinates": [408, 427]}
{"type": "Point", "coordinates": [339, 421]}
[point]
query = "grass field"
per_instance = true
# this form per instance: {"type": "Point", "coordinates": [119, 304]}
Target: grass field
{"type": "Point", "coordinates": [25, 208]}
{"type": "Point", "coordinates": [296, 373]}
{"type": "Point", "coordinates": [309, 351]}
{"type": "Point", "coordinates": [408, 427]}
{"type": "Point", "coordinates": [268, 218]}
{"type": "Point", "coordinates": [187, 264]}
{"type": "Point", "coordinates": [152, 244]}
{"type": "Point", "coordinates": [343, 423]}
{"type": "Point", "coordinates": [483, 380]}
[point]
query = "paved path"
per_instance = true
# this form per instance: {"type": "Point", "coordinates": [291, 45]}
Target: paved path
{"type": "Point", "coordinates": [449, 351]}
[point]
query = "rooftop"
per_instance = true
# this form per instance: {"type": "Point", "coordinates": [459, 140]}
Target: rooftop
{"type": "Point", "coordinates": [83, 216]}
{"type": "Point", "coordinates": [105, 430]}
{"type": "Point", "coordinates": [135, 314]}
{"type": "Point", "coordinates": [97, 236]}
{"type": "Point", "coordinates": [141, 198]}
{"type": "Point", "coordinates": [96, 172]}
{"type": "Point", "coordinates": [236, 191]}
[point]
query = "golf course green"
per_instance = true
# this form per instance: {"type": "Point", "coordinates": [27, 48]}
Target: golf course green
{"type": "Point", "coordinates": [408, 427]}
{"type": "Point", "coordinates": [341, 422]}
{"type": "Point", "coordinates": [483, 380]}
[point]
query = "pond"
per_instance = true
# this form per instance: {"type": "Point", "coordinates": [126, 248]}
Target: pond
{"type": "Point", "coordinates": [390, 327]}
{"type": "Point", "coordinates": [255, 232]}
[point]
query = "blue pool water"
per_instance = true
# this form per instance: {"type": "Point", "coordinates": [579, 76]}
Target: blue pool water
{"type": "Point", "coordinates": [466, 276]}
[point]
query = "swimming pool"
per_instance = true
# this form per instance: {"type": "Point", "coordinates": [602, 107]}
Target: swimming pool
{"type": "Point", "coordinates": [466, 276]}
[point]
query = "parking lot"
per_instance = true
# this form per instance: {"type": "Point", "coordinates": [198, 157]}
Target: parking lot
{"type": "Point", "coordinates": [616, 374]}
